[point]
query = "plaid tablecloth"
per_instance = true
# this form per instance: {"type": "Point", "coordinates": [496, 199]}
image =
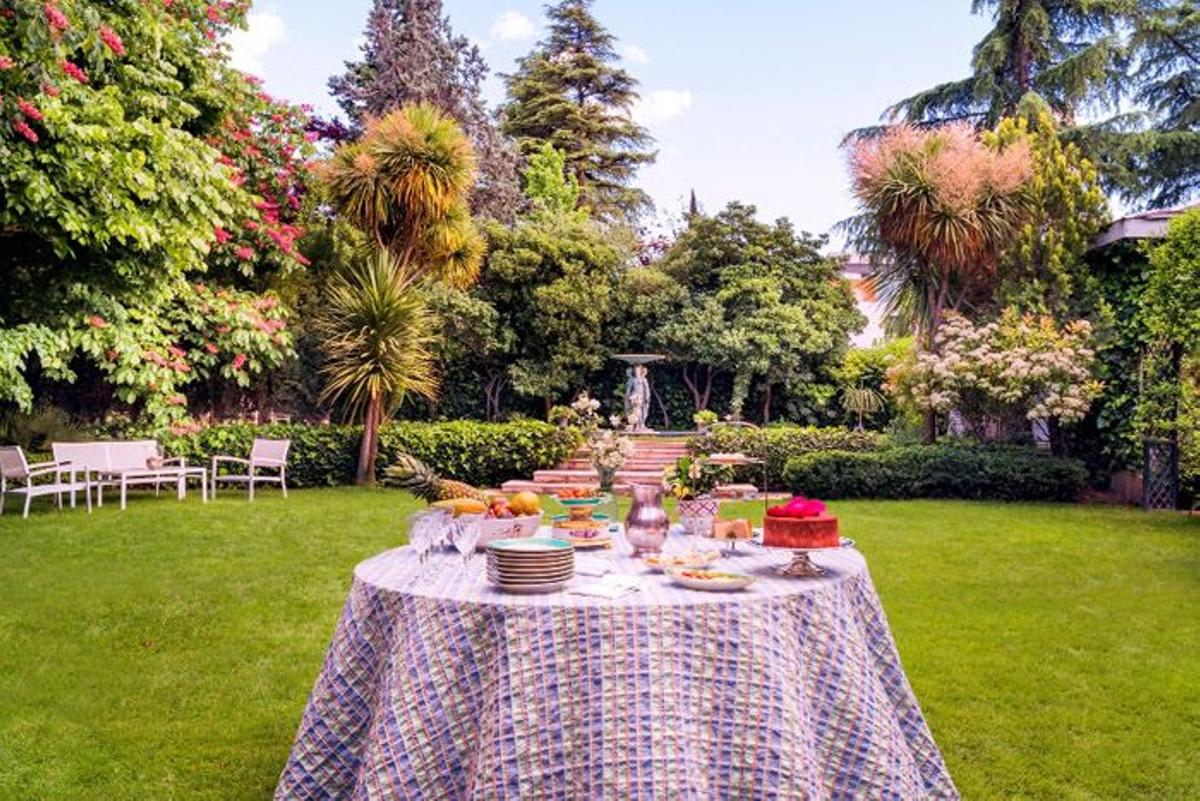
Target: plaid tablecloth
{"type": "Point", "coordinates": [437, 686]}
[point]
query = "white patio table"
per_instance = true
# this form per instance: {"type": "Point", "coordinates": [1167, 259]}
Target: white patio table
{"type": "Point", "coordinates": [438, 686]}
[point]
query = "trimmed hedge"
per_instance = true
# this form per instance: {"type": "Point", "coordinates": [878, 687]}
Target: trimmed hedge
{"type": "Point", "coordinates": [484, 454]}
{"type": "Point", "coordinates": [781, 444]}
{"type": "Point", "coordinates": [938, 471]}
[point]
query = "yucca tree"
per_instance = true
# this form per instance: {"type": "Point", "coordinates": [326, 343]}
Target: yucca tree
{"type": "Point", "coordinates": [405, 184]}
{"type": "Point", "coordinates": [937, 209]}
{"type": "Point", "coordinates": [378, 339]}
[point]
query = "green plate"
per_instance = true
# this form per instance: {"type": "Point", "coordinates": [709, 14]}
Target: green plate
{"type": "Point", "coordinates": [526, 544]}
{"type": "Point", "coordinates": [580, 501]}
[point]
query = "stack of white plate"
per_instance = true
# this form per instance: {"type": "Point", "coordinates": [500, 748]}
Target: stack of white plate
{"type": "Point", "coordinates": [530, 564]}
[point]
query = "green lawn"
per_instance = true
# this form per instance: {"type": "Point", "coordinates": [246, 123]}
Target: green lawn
{"type": "Point", "coordinates": [168, 651]}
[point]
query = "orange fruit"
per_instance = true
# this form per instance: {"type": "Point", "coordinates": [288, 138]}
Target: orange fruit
{"type": "Point", "coordinates": [525, 503]}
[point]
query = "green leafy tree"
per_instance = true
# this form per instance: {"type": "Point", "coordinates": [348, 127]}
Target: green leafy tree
{"type": "Point", "coordinates": [1171, 311]}
{"type": "Point", "coordinates": [1043, 267]}
{"type": "Point", "coordinates": [553, 278]}
{"type": "Point", "coordinates": [548, 186]}
{"type": "Point", "coordinates": [411, 55]}
{"type": "Point", "coordinates": [867, 368]}
{"type": "Point", "coordinates": [1067, 52]}
{"type": "Point", "coordinates": [765, 307]}
{"type": "Point", "coordinates": [129, 152]}
{"type": "Point", "coordinates": [568, 92]}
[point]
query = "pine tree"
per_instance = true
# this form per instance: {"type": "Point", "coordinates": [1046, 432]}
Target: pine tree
{"type": "Point", "coordinates": [1066, 51]}
{"type": "Point", "coordinates": [568, 92]}
{"type": "Point", "coordinates": [1166, 44]}
{"type": "Point", "coordinates": [412, 55]}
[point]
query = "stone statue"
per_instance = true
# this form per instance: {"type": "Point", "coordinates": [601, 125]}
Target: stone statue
{"type": "Point", "coordinates": [637, 398]}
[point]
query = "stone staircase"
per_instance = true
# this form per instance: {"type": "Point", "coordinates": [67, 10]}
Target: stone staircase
{"type": "Point", "coordinates": [650, 457]}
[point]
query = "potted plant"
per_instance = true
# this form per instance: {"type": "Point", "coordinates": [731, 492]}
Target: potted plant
{"type": "Point", "coordinates": [691, 480]}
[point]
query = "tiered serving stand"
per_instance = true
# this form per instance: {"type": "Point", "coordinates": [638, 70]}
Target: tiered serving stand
{"type": "Point", "coordinates": [581, 526]}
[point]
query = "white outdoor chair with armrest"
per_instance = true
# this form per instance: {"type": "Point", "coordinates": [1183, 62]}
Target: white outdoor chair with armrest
{"type": "Point", "coordinates": [14, 467]}
{"type": "Point", "coordinates": [266, 453]}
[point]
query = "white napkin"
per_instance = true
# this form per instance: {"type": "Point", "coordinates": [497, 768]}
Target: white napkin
{"type": "Point", "coordinates": [592, 568]}
{"type": "Point", "coordinates": [610, 587]}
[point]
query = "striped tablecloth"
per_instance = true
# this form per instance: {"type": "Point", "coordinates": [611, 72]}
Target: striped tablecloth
{"type": "Point", "coordinates": [438, 686]}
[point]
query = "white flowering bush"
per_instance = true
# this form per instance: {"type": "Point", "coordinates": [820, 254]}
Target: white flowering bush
{"type": "Point", "coordinates": [1018, 367]}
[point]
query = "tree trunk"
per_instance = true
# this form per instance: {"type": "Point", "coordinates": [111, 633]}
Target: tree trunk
{"type": "Point", "coordinates": [766, 414]}
{"type": "Point", "coordinates": [706, 396]}
{"type": "Point", "coordinates": [663, 408]}
{"type": "Point", "coordinates": [369, 449]}
{"type": "Point", "coordinates": [930, 426]}
{"type": "Point", "coordinates": [697, 399]}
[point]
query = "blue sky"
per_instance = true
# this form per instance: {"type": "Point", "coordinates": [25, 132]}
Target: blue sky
{"type": "Point", "coordinates": [748, 100]}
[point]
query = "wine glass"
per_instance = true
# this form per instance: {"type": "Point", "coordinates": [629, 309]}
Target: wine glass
{"type": "Point", "coordinates": [419, 534]}
{"type": "Point", "coordinates": [466, 536]}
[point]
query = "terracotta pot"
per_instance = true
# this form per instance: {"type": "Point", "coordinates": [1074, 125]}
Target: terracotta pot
{"type": "Point", "coordinates": [647, 523]}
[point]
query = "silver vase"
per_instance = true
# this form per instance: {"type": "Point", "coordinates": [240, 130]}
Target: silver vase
{"type": "Point", "coordinates": [647, 523]}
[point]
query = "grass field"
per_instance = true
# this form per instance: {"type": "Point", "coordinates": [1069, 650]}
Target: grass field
{"type": "Point", "coordinates": [167, 651]}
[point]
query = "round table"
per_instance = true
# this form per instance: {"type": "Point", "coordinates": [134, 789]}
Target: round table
{"type": "Point", "coordinates": [436, 685]}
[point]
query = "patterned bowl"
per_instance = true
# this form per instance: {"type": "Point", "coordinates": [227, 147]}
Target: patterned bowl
{"type": "Point", "coordinates": [492, 528]}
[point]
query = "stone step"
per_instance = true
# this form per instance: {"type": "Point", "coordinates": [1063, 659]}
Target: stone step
{"type": "Point", "coordinates": [591, 476]}
{"type": "Point", "coordinates": [631, 464]}
{"type": "Point", "coordinates": [728, 492]}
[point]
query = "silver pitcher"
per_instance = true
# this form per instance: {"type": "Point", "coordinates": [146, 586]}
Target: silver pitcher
{"type": "Point", "coordinates": [647, 523]}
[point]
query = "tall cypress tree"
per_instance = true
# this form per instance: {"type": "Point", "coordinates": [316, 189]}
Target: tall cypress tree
{"type": "Point", "coordinates": [569, 92]}
{"type": "Point", "coordinates": [1066, 51]}
{"type": "Point", "coordinates": [412, 55]}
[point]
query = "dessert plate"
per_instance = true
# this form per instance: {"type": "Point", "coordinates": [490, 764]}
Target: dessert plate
{"type": "Point", "coordinates": [709, 580]}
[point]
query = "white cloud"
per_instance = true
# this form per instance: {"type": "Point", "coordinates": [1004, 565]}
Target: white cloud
{"type": "Point", "coordinates": [265, 29]}
{"type": "Point", "coordinates": [634, 54]}
{"type": "Point", "coordinates": [662, 105]}
{"type": "Point", "coordinates": [512, 26]}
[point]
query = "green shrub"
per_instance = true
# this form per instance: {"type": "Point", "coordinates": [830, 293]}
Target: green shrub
{"type": "Point", "coordinates": [484, 454]}
{"type": "Point", "coordinates": [938, 471]}
{"type": "Point", "coordinates": [780, 444]}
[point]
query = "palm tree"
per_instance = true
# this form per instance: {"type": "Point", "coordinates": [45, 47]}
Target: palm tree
{"type": "Point", "coordinates": [405, 184]}
{"type": "Point", "coordinates": [862, 401]}
{"type": "Point", "coordinates": [377, 335]}
{"type": "Point", "coordinates": [937, 209]}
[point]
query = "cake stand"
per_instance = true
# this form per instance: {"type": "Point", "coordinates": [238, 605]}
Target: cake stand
{"type": "Point", "coordinates": [802, 565]}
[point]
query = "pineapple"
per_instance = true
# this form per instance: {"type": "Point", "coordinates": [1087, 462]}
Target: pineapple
{"type": "Point", "coordinates": [414, 475]}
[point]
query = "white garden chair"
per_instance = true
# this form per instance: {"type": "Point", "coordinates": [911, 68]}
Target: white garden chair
{"type": "Point", "coordinates": [13, 467]}
{"type": "Point", "coordinates": [266, 453]}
